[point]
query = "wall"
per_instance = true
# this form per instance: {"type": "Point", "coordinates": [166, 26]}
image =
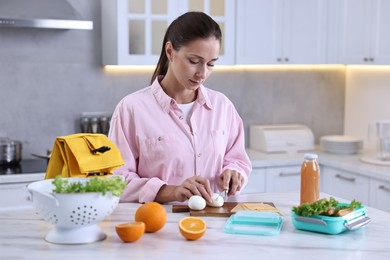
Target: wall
{"type": "Point", "coordinates": [367, 100]}
{"type": "Point", "coordinates": [48, 77]}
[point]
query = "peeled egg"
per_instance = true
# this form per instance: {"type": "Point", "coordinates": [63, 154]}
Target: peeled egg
{"type": "Point", "coordinates": [196, 202]}
{"type": "Point", "coordinates": [217, 201]}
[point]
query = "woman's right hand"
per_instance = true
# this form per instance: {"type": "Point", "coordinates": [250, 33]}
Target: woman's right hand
{"type": "Point", "coordinates": [192, 186]}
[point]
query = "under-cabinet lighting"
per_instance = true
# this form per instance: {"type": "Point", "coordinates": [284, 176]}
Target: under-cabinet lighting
{"type": "Point", "coordinates": [146, 68]}
{"type": "Point", "coordinates": [126, 68]}
{"type": "Point", "coordinates": [368, 67]}
{"type": "Point", "coordinates": [280, 67]}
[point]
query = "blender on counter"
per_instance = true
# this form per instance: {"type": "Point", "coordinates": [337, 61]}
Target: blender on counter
{"type": "Point", "coordinates": [379, 131]}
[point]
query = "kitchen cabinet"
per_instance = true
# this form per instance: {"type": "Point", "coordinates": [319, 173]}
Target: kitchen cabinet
{"type": "Point", "coordinates": [283, 179]}
{"type": "Point", "coordinates": [256, 181]}
{"type": "Point", "coordinates": [13, 189]}
{"type": "Point", "coordinates": [380, 194]}
{"type": "Point", "coordinates": [133, 30]}
{"type": "Point", "coordinates": [14, 195]}
{"type": "Point", "coordinates": [345, 184]}
{"type": "Point", "coordinates": [273, 179]}
{"type": "Point", "coordinates": [360, 29]}
{"type": "Point", "coordinates": [281, 31]}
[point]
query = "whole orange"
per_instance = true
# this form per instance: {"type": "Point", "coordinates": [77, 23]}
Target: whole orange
{"type": "Point", "coordinates": [130, 231]}
{"type": "Point", "coordinates": [153, 215]}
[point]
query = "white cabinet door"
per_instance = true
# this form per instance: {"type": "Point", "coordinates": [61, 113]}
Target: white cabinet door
{"type": "Point", "coordinates": [283, 179]}
{"type": "Point", "coordinates": [353, 28]}
{"type": "Point", "coordinates": [133, 30]}
{"type": "Point", "coordinates": [380, 194]}
{"type": "Point", "coordinates": [362, 31]}
{"type": "Point", "coordinates": [14, 195]}
{"type": "Point", "coordinates": [256, 181]}
{"type": "Point", "coordinates": [281, 31]}
{"type": "Point", "coordinates": [305, 31]}
{"type": "Point", "coordinates": [345, 185]}
{"type": "Point", "coordinates": [381, 43]}
{"type": "Point", "coordinates": [259, 28]}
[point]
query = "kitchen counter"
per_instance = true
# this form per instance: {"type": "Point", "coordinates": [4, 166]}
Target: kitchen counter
{"type": "Point", "coordinates": [24, 172]}
{"type": "Point", "coordinates": [345, 162]}
{"type": "Point", "coordinates": [22, 237]}
{"type": "Point", "coordinates": [350, 163]}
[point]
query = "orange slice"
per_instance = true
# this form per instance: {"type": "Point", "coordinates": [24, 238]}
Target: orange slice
{"type": "Point", "coordinates": [130, 231]}
{"type": "Point", "coordinates": [192, 228]}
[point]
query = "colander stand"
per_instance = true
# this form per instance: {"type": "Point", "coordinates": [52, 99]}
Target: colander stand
{"type": "Point", "coordinates": [80, 235]}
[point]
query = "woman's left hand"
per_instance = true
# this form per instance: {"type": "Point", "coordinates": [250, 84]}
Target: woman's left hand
{"type": "Point", "coordinates": [230, 180]}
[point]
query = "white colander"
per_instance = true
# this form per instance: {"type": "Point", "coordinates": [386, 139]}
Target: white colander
{"type": "Point", "coordinates": [74, 215]}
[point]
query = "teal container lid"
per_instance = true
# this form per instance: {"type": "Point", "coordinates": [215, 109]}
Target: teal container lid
{"type": "Point", "coordinates": [254, 223]}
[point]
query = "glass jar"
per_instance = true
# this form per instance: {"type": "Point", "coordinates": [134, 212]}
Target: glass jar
{"type": "Point", "coordinates": [310, 179]}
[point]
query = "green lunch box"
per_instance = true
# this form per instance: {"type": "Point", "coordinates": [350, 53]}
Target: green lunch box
{"type": "Point", "coordinates": [332, 225]}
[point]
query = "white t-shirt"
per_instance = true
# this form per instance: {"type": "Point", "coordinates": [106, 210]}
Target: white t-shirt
{"type": "Point", "coordinates": [186, 109]}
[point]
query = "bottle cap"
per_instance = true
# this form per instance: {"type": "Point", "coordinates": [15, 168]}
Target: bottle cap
{"type": "Point", "coordinates": [310, 156]}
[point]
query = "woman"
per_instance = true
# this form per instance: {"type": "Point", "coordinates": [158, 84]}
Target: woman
{"type": "Point", "coordinates": [178, 138]}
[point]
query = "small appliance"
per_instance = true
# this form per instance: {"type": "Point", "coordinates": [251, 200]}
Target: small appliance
{"type": "Point", "coordinates": [379, 131]}
{"type": "Point", "coordinates": [283, 138]}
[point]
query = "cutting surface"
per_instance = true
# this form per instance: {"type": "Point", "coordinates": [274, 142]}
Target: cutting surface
{"type": "Point", "coordinates": [224, 211]}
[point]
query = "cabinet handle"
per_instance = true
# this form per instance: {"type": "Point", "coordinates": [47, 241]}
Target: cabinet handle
{"type": "Point", "coordinates": [345, 178]}
{"type": "Point", "coordinates": [286, 59]}
{"type": "Point", "coordinates": [382, 187]}
{"type": "Point", "coordinates": [365, 59]}
{"type": "Point", "coordinates": [287, 174]}
{"type": "Point", "coordinates": [371, 59]}
{"type": "Point", "coordinates": [279, 59]}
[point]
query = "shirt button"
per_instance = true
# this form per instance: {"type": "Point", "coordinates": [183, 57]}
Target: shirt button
{"type": "Point", "coordinates": [199, 154]}
{"type": "Point", "coordinates": [160, 138]}
{"type": "Point", "coordinates": [181, 117]}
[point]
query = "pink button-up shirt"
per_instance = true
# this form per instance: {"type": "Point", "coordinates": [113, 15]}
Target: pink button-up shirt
{"type": "Point", "coordinates": [160, 147]}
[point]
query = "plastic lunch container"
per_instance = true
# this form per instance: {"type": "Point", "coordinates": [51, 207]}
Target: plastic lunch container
{"type": "Point", "coordinates": [332, 225]}
{"type": "Point", "coordinates": [254, 223]}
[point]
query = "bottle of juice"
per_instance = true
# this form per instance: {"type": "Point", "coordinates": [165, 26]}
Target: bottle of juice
{"type": "Point", "coordinates": [310, 179]}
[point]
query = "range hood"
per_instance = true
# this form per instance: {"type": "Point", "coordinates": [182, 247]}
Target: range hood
{"type": "Point", "coordinates": [50, 14]}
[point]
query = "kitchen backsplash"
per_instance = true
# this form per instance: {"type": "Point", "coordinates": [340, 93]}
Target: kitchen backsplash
{"type": "Point", "coordinates": [367, 100]}
{"type": "Point", "coordinates": [49, 77]}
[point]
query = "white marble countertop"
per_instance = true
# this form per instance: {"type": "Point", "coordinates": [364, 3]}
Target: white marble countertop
{"type": "Point", "coordinates": [22, 237]}
{"type": "Point", "coordinates": [20, 178]}
{"type": "Point", "coordinates": [350, 163]}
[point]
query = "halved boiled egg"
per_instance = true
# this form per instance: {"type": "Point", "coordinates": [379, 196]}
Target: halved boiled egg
{"type": "Point", "coordinates": [196, 202]}
{"type": "Point", "coordinates": [218, 201]}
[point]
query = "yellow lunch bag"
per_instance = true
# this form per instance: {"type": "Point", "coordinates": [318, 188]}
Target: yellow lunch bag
{"type": "Point", "coordinates": [83, 155]}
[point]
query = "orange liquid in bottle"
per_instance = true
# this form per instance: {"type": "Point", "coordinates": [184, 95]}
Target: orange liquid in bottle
{"type": "Point", "coordinates": [310, 179]}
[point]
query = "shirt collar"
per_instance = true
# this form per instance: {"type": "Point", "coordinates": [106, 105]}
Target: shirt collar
{"type": "Point", "coordinates": [165, 101]}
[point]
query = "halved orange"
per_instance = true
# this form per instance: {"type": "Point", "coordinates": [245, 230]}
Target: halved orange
{"type": "Point", "coordinates": [192, 228]}
{"type": "Point", "coordinates": [130, 231]}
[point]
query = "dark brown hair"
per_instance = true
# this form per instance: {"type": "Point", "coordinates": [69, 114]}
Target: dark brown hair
{"type": "Point", "coordinates": [183, 30]}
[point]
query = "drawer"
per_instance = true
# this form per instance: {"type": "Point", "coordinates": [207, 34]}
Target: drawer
{"type": "Point", "coordinates": [380, 194]}
{"type": "Point", "coordinates": [345, 184]}
{"type": "Point", "coordinates": [283, 179]}
{"type": "Point", "coordinates": [14, 195]}
{"type": "Point", "coordinates": [256, 181]}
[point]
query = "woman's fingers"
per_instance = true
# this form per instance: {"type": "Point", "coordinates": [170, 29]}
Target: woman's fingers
{"type": "Point", "coordinates": [197, 186]}
{"type": "Point", "coordinates": [231, 180]}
